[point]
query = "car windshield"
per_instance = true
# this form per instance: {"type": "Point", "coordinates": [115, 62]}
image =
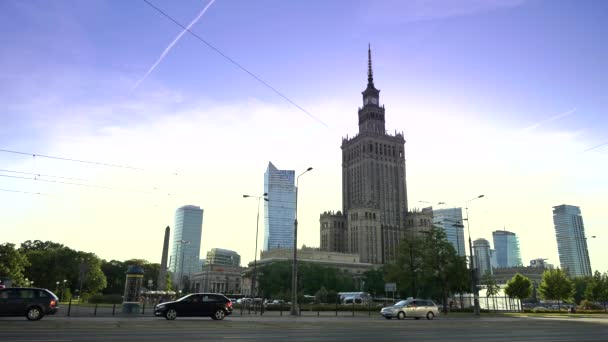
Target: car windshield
{"type": "Point", "coordinates": [184, 298]}
{"type": "Point", "coordinates": [403, 303]}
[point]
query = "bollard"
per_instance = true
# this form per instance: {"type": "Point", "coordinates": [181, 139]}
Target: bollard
{"type": "Point", "coordinates": [353, 307]}
{"type": "Point", "coordinates": [281, 308]}
{"type": "Point", "coordinates": [336, 308]}
{"type": "Point", "coordinates": [143, 308]}
{"type": "Point", "coordinates": [113, 309]}
{"type": "Point", "coordinates": [369, 309]}
{"type": "Point", "coordinates": [95, 312]}
{"type": "Point", "coordinates": [69, 307]}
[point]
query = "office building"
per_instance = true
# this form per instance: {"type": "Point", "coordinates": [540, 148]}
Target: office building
{"type": "Point", "coordinates": [450, 220]}
{"type": "Point", "coordinates": [571, 240]}
{"type": "Point", "coordinates": [280, 209]}
{"type": "Point", "coordinates": [482, 260]}
{"type": "Point", "coordinates": [218, 256]}
{"type": "Point", "coordinates": [186, 245]}
{"type": "Point", "coordinates": [506, 245]}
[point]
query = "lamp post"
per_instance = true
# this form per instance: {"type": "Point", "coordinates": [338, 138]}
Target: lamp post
{"type": "Point", "coordinates": [474, 288]}
{"type": "Point", "coordinates": [255, 257]}
{"type": "Point", "coordinates": [181, 273]}
{"type": "Point", "coordinates": [63, 291]}
{"type": "Point", "coordinates": [294, 270]}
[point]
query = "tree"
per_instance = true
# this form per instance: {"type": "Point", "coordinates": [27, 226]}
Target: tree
{"type": "Point", "coordinates": [580, 287]}
{"type": "Point", "coordinates": [374, 282]}
{"type": "Point", "coordinates": [597, 289]}
{"type": "Point", "coordinates": [556, 286]}
{"type": "Point", "coordinates": [519, 287]}
{"type": "Point", "coordinates": [321, 295]}
{"type": "Point", "coordinates": [492, 287]}
{"type": "Point", "coordinates": [407, 269]}
{"type": "Point", "coordinates": [13, 264]}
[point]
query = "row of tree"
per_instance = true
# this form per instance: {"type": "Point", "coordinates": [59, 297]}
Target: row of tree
{"type": "Point", "coordinates": [57, 267]}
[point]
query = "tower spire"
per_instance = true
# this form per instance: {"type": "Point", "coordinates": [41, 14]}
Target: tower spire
{"type": "Point", "coordinates": [370, 74]}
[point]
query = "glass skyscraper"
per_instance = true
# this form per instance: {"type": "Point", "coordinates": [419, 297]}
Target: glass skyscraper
{"type": "Point", "coordinates": [482, 259]}
{"type": "Point", "coordinates": [506, 245]}
{"type": "Point", "coordinates": [280, 209]}
{"type": "Point", "coordinates": [186, 245]}
{"type": "Point", "coordinates": [571, 240]}
{"type": "Point", "coordinates": [450, 220]}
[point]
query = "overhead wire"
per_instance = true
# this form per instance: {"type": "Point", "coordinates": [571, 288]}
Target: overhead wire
{"type": "Point", "coordinates": [72, 160]}
{"type": "Point", "coordinates": [23, 192]}
{"type": "Point", "coordinates": [41, 175]}
{"type": "Point", "coordinates": [257, 78]}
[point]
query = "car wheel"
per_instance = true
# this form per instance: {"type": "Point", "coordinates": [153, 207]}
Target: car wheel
{"type": "Point", "coordinates": [34, 314]}
{"type": "Point", "coordinates": [430, 315]}
{"type": "Point", "coordinates": [401, 315]}
{"type": "Point", "coordinates": [219, 315]}
{"type": "Point", "coordinates": [171, 314]}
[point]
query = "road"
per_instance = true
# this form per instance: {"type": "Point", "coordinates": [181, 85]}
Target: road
{"type": "Point", "coordinates": [300, 329]}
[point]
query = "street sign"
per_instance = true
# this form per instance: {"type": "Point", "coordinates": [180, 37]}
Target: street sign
{"type": "Point", "coordinates": [390, 287]}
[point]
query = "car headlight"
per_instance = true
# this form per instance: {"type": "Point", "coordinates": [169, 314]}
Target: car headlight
{"type": "Point", "coordinates": [160, 306]}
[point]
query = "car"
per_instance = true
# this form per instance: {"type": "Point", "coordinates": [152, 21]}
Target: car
{"type": "Point", "coordinates": [214, 305]}
{"type": "Point", "coordinates": [33, 303]}
{"type": "Point", "coordinates": [416, 308]}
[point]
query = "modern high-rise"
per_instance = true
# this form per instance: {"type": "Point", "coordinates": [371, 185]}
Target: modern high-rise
{"type": "Point", "coordinates": [219, 256]}
{"type": "Point", "coordinates": [374, 196]}
{"type": "Point", "coordinates": [186, 245]}
{"type": "Point", "coordinates": [571, 240]}
{"type": "Point", "coordinates": [280, 209]}
{"type": "Point", "coordinates": [506, 245]}
{"type": "Point", "coordinates": [450, 220]}
{"type": "Point", "coordinates": [482, 259]}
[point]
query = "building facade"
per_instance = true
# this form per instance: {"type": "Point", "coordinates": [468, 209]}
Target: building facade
{"type": "Point", "coordinates": [186, 243]}
{"type": "Point", "coordinates": [374, 196]}
{"type": "Point", "coordinates": [506, 245]}
{"type": "Point", "coordinates": [214, 278]}
{"type": "Point", "coordinates": [482, 259]}
{"type": "Point", "coordinates": [571, 240]}
{"type": "Point", "coordinates": [225, 257]}
{"type": "Point", "coordinates": [280, 209]}
{"type": "Point", "coordinates": [333, 232]}
{"type": "Point", "coordinates": [450, 220]}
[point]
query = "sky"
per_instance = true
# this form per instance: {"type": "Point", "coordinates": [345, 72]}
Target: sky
{"type": "Point", "coordinates": [505, 98]}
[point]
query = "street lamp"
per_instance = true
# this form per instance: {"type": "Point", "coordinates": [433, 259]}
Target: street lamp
{"type": "Point", "coordinates": [255, 257]}
{"type": "Point", "coordinates": [181, 273]}
{"type": "Point", "coordinates": [294, 271]}
{"type": "Point", "coordinates": [63, 291]}
{"type": "Point", "coordinates": [474, 288]}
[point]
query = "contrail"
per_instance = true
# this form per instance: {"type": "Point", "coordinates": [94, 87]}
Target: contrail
{"type": "Point", "coordinates": [597, 146]}
{"type": "Point", "coordinates": [558, 116]}
{"type": "Point", "coordinates": [162, 56]}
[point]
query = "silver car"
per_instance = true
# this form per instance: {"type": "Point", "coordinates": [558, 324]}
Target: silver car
{"type": "Point", "coordinates": [416, 308]}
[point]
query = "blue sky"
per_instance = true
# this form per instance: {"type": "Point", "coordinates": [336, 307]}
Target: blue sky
{"type": "Point", "coordinates": [498, 97]}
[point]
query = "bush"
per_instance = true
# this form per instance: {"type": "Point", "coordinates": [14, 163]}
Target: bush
{"type": "Point", "coordinates": [589, 305]}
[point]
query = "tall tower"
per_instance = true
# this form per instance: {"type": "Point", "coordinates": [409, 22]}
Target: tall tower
{"type": "Point", "coordinates": [571, 240]}
{"type": "Point", "coordinates": [185, 250]}
{"type": "Point", "coordinates": [374, 196]}
{"type": "Point", "coordinates": [506, 245]}
{"type": "Point", "coordinates": [161, 282]}
{"type": "Point", "coordinates": [280, 209]}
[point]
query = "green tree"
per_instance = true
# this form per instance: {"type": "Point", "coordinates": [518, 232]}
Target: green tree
{"type": "Point", "coordinates": [556, 286]}
{"type": "Point", "coordinates": [597, 289]}
{"type": "Point", "coordinates": [374, 281]}
{"type": "Point", "coordinates": [580, 287]}
{"type": "Point", "coordinates": [321, 295]}
{"type": "Point", "coordinates": [409, 266]}
{"type": "Point", "coordinates": [13, 264]}
{"type": "Point", "coordinates": [519, 287]}
{"type": "Point", "coordinates": [114, 271]}
{"type": "Point", "coordinates": [492, 287]}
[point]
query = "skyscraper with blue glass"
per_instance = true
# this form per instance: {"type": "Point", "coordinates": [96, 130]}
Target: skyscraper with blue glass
{"type": "Point", "coordinates": [450, 220]}
{"type": "Point", "coordinates": [186, 246]}
{"type": "Point", "coordinates": [506, 245]}
{"type": "Point", "coordinates": [280, 210]}
{"type": "Point", "coordinates": [571, 240]}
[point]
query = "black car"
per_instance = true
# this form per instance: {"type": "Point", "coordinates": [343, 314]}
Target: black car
{"type": "Point", "coordinates": [213, 305]}
{"type": "Point", "coordinates": [32, 303]}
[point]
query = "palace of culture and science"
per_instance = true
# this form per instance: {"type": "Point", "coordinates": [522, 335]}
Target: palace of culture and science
{"type": "Point", "coordinates": [374, 216]}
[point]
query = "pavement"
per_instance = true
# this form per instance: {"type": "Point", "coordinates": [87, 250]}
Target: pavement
{"type": "Point", "coordinates": [307, 328]}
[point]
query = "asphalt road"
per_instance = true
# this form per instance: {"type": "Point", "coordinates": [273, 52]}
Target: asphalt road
{"type": "Point", "coordinates": [64, 329]}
